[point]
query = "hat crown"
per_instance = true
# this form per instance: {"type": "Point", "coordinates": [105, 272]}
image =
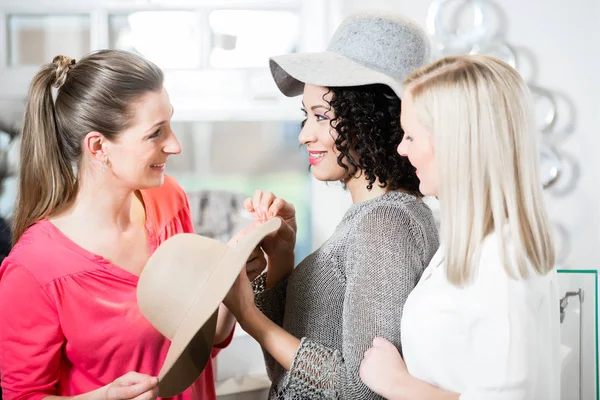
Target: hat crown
{"type": "Point", "coordinates": [393, 45]}
{"type": "Point", "coordinates": [170, 283]}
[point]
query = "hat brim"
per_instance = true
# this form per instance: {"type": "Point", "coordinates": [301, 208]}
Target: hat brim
{"type": "Point", "coordinates": [191, 346]}
{"type": "Point", "coordinates": [184, 365]}
{"type": "Point", "coordinates": [329, 69]}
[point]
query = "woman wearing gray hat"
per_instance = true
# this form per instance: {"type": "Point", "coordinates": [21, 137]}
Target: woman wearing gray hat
{"type": "Point", "coordinates": [316, 321]}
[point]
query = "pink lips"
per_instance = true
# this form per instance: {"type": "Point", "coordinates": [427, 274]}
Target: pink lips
{"type": "Point", "coordinates": [315, 157]}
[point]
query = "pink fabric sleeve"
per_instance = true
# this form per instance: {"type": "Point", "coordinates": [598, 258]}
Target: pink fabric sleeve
{"type": "Point", "coordinates": [187, 222]}
{"type": "Point", "coordinates": [30, 337]}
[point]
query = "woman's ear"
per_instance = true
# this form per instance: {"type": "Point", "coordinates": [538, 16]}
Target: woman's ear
{"type": "Point", "coordinates": [94, 144]}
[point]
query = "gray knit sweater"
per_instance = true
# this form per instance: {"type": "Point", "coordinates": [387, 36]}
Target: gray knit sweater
{"type": "Point", "coordinates": [349, 291]}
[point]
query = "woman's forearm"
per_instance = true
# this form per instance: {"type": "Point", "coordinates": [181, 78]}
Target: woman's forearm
{"type": "Point", "coordinates": [98, 394]}
{"type": "Point", "coordinates": [280, 266]}
{"type": "Point", "coordinates": [281, 345]}
{"type": "Point", "coordinates": [225, 323]}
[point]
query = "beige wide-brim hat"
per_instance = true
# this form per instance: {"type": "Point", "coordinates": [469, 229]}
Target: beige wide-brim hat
{"type": "Point", "coordinates": [179, 292]}
{"type": "Point", "coordinates": [367, 48]}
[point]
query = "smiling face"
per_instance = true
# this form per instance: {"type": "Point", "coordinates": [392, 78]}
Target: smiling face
{"type": "Point", "coordinates": [138, 156]}
{"type": "Point", "coordinates": [417, 145]}
{"type": "Point", "coordinates": [319, 136]}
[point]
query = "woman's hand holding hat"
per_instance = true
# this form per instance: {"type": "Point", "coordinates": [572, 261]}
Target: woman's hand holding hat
{"type": "Point", "coordinates": [132, 385]}
{"type": "Point", "coordinates": [279, 246]}
{"type": "Point", "coordinates": [265, 205]}
{"type": "Point", "coordinates": [240, 298]}
{"type": "Point", "coordinates": [256, 263]}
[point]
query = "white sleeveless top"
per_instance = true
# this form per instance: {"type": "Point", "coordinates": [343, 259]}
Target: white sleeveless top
{"type": "Point", "coordinates": [496, 339]}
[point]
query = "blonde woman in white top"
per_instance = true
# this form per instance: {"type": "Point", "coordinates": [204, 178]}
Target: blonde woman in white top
{"type": "Point", "coordinates": [483, 321]}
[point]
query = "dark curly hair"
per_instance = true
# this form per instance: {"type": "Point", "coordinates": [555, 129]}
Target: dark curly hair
{"type": "Point", "coordinates": [367, 120]}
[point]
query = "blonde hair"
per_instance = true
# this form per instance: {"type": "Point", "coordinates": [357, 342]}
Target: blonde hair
{"type": "Point", "coordinates": [95, 94]}
{"type": "Point", "coordinates": [480, 113]}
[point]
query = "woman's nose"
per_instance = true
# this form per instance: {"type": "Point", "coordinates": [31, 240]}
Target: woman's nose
{"type": "Point", "coordinates": [306, 136]}
{"type": "Point", "coordinates": [402, 148]}
{"type": "Point", "coordinates": [172, 145]}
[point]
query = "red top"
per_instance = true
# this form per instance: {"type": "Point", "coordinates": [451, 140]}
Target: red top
{"type": "Point", "coordinates": [69, 319]}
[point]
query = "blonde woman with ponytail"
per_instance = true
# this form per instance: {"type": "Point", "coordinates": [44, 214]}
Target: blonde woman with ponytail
{"type": "Point", "coordinates": [93, 204]}
{"type": "Point", "coordinates": [483, 321]}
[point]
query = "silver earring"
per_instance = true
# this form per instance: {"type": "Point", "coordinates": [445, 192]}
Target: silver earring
{"type": "Point", "coordinates": [104, 164]}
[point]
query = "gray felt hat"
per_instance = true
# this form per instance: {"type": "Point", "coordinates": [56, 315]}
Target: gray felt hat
{"type": "Point", "coordinates": [367, 48]}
